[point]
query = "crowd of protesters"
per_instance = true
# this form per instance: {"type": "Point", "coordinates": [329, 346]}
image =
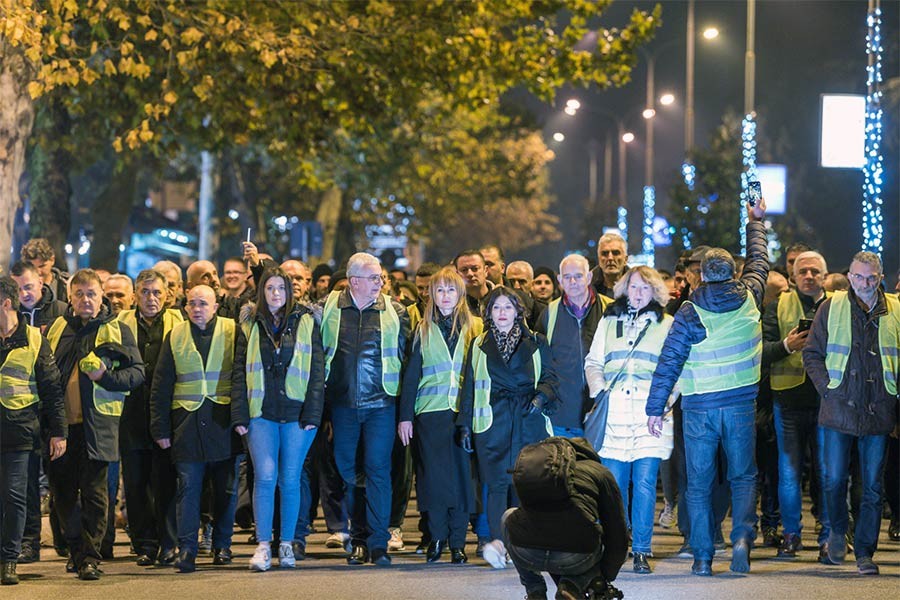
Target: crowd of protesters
{"type": "Point", "coordinates": [729, 382]}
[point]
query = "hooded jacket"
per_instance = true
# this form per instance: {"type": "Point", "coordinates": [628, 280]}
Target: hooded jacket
{"type": "Point", "coordinates": [45, 311]}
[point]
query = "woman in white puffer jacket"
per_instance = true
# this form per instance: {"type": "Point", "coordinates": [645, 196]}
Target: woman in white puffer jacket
{"type": "Point", "coordinates": [629, 450]}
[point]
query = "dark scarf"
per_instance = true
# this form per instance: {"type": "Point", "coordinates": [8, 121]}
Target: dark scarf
{"type": "Point", "coordinates": [507, 342]}
{"type": "Point", "coordinates": [579, 312]}
{"type": "Point", "coordinates": [445, 326]}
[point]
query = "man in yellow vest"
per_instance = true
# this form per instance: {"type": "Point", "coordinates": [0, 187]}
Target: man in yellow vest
{"type": "Point", "coordinates": [715, 348]}
{"type": "Point", "coordinates": [785, 324]}
{"type": "Point", "coordinates": [99, 363]}
{"type": "Point", "coordinates": [364, 334]}
{"type": "Point", "coordinates": [30, 393]}
{"type": "Point", "coordinates": [852, 358]}
{"type": "Point", "coordinates": [190, 412]}
{"type": "Point", "coordinates": [148, 473]}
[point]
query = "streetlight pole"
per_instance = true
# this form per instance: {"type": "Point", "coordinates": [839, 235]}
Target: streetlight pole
{"type": "Point", "coordinates": [748, 125]}
{"type": "Point", "coordinates": [689, 82]}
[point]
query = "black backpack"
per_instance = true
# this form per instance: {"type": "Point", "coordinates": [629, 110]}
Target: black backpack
{"type": "Point", "coordinates": [543, 472]}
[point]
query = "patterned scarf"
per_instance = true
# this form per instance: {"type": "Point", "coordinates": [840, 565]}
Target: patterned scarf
{"type": "Point", "coordinates": [507, 342]}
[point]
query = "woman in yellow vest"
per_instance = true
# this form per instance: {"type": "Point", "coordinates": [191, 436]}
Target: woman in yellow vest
{"type": "Point", "coordinates": [509, 388]}
{"type": "Point", "coordinates": [628, 340]}
{"type": "Point", "coordinates": [429, 403]}
{"type": "Point", "coordinates": [278, 390]}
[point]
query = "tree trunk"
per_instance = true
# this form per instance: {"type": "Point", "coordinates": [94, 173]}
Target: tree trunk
{"type": "Point", "coordinates": [328, 215]}
{"type": "Point", "coordinates": [16, 121]}
{"type": "Point", "coordinates": [110, 213]}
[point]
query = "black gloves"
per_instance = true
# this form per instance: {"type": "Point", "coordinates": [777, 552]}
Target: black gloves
{"type": "Point", "coordinates": [541, 404]}
{"type": "Point", "coordinates": [464, 438]}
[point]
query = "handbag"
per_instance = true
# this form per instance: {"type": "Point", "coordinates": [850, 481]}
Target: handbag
{"type": "Point", "coordinates": [595, 419]}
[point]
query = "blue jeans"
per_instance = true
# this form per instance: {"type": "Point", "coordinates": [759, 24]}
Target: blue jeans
{"type": "Point", "coordinates": [797, 430]}
{"type": "Point", "coordinates": [735, 428]}
{"type": "Point", "coordinates": [277, 451]}
{"type": "Point", "coordinates": [641, 473]}
{"type": "Point", "coordinates": [13, 487]}
{"type": "Point", "coordinates": [568, 432]}
{"type": "Point", "coordinates": [871, 465]}
{"type": "Point", "coordinates": [223, 475]}
{"type": "Point", "coordinates": [363, 440]}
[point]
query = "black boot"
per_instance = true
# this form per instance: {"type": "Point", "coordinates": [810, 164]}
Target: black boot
{"type": "Point", "coordinates": [8, 573]}
{"type": "Point", "coordinates": [435, 549]}
{"type": "Point", "coordinates": [641, 566]}
{"type": "Point", "coordinates": [458, 556]}
{"type": "Point", "coordinates": [186, 562]}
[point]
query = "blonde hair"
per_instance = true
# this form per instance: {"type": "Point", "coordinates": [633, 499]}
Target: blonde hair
{"type": "Point", "coordinates": [650, 276]}
{"type": "Point", "coordinates": [462, 317]}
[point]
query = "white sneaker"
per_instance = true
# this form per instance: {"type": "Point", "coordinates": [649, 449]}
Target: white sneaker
{"type": "Point", "coordinates": [262, 559]}
{"type": "Point", "coordinates": [337, 540]}
{"type": "Point", "coordinates": [396, 541]}
{"type": "Point", "coordinates": [286, 556]}
{"type": "Point", "coordinates": [668, 516]}
{"type": "Point", "coordinates": [495, 554]}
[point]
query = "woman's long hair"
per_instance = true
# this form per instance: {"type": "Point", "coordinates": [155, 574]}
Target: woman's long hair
{"type": "Point", "coordinates": [514, 297]}
{"type": "Point", "coordinates": [462, 317]}
{"type": "Point", "coordinates": [262, 307]}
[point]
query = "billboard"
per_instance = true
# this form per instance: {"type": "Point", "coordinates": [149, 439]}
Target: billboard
{"type": "Point", "coordinates": [843, 137]}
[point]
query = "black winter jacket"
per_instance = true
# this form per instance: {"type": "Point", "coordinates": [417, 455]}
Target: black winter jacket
{"type": "Point", "coordinates": [276, 358]}
{"type": "Point", "coordinates": [45, 311]}
{"type": "Point", "coordinates": [203, 435]}
{"type": "Point", "coordinates": [101, 432]}
{"type": "Point", "coordinates": [860, 405]}
{"type": "Point", "coordinates": [134, 425]}
{"type": "Point", "coordinates": [354, 380]}
{"type": "Point", "coordinates": [21, 429]}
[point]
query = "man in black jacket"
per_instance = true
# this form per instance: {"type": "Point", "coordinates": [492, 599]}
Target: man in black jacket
{"type": "Point", "coordinates": [364, 334]}
{"type": "Point", "coordinates": [99, 363]}
{"type": "Point", "coordinates": [30, 393]}
{"type": "Point", "coordinates": [577, 533]}
{"type": "Point", "coordinates": [39, 253]}
{"type": "Point", "coordinates": [38, 309]}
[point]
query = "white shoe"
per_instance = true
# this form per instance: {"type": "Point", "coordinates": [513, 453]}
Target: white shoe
{"type": "Point", "coordinates": [337, 540]}
{"type": "Point", "coordinates": [262, 559]}
{"type": "Point", "coordinates": [495, 554]}
{"type": "Point", "coordinates": [396, 541]}
{"type": "Point", "coordinates": [286, 556]}
{"type": "Point", "coordinates": [668, 517]}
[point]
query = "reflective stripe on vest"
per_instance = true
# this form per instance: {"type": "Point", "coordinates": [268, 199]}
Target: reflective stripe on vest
{"type": "Point", "coordinates": [553, 313]}
{"type": "Point", "coordinates": [482, 415]}
{"type": "Point", "coordinates": [390, 332]}
{"type": "Point", "coordinates": [298, 370]}
{"type": "Point", "coordinates": [18, 384]}
{"type": "Point", "coordinates": [643, 360]}
{"type": "Point", "coordinates": [194, 382]}
{"type": "Point", "coordinates": [788, 372]}
{"type": "Point", "coordinates": [170, 316]}
{"type": "Point", "coordinates": [105, 402]}
{"type": "Point", "coordinates": [840, 339]}
{"type": "Point", "coordinates": [442, 375]}
{"type": "Point", "coordinates": [730, 356]}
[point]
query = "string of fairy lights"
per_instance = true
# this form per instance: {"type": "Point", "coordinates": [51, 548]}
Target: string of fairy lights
{"type": "Point", "coordinates": [873, 170]}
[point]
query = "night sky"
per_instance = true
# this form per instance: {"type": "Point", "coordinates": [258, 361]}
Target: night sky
{"type": "Point", "coordinates": [803, 49]}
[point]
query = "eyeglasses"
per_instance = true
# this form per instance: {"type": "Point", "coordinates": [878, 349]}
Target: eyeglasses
{"type": "Point", "coordinates": [870, 279]}
{"type": "Point", "coordinates": [371, 279]}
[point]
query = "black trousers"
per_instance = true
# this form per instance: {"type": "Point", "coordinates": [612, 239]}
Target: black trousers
{"type": "Point", "coordinates": [325, 475]}
{"type": "Point", "coordinates": [401, 481]}
{"type": "Point", "coordinates": [150, 481]}
{"type": "Point", "coordinates": [32, 535]}
{"type": "Point", "coordinates": [74, 476]}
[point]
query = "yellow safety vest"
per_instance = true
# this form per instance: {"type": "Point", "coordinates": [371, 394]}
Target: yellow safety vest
{"type": "Point", "coordinates": [643, 359]}
{"type": "Point", "coordinates": [194, 382]}
{"type": "Point", "coordinates": [553, 313]}
{"type": "Point", "coordinates": [297, 377]}
{"type": "Point", "coordinates": [390, 332]}
{"type": "Point", "coordinates": [170, 317]}
{"type": "Point", "coordinates": [414, 316]}
{"type": "Point", "coordinates": [730, 356]}
{"type": "Point", "coordinates": [837, 352]}
{"type": "Point", "coordinates": [442, 374]}
{"type": "Point", "coordinates": [105, 402]}
{"type": "Point", "coordinates": [788, 372]}
{"type": "Point", "coordinates": [483, 416]}
{"type": "Point", "coordinates": [18, 384]}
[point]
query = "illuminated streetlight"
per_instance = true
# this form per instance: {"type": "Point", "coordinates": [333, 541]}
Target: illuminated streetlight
{"type": "Point", "coordinates": [627, 137]}
{"type": "Point", "coordinates": [558, 137]}
{"type": "Point", "coordinates": [570, 111]}
{"type": "Point", "coordinates": [710, 33]}
{"type": "Point", "coordinates": [573, 103]}
{"type": "Point", "coordinates": [648, 113]}
{"type": "Point", "coordinates": [666, 99]}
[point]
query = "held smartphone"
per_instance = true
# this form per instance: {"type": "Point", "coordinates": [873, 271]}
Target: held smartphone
{"type": "Point", "coordinates": [804, 325]}
{"type": "Point", "coordinates": [754, 192]}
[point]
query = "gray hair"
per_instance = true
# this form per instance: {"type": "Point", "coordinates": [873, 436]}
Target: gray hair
{"type": "Point", "coordinates": [359, 261]}
{"type": "Point", "coordinates": [121, 277]}
{"type": "Point", "coordinates": [149, 275]}
{"type": "Point", "coordinates": [611, 237]}
{"type": "Point", "coordinates": [868, 258]}
{"type": "Point", "coordinates": [578, 258]}
{"type": "Point", "coordinates": [811, 254]}
{"type": "Point", "coordinates": [717, 265]}
{"type": "Point", "coordinates": [521, 264]}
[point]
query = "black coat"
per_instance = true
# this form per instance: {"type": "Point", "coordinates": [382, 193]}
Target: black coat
{"type": "Point", "coordinates": [276, 358]}
{"type": "Point", "coordinates": [593, 513]}
{"type": "Point", "coordinates": [21, 429]}
{"type": "Point", "coordinates": [101, 432]}
{"type": "Point", "coordinates": [860, 405]}
{"type": "Point", "coordinates": [203, 435]}
{"type": "Point", "coordinates": [134, 426]}
{"type": "Point", "coordinates": [45, 311]}
{"type": "Point", "coordinates": [354, 380]}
